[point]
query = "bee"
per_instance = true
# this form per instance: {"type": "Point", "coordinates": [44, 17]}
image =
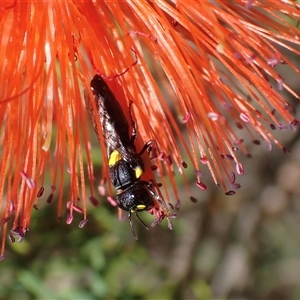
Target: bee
{"type": "Point", "coordinates": [124, 162]}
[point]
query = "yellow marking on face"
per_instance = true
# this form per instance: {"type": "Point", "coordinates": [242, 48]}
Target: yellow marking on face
{"type": "Point", "coordinates": [138, 172]}
{"type": "Point", "coordinates": [114, 157]}
{"type": "Point", "coordinates": [141, 206]}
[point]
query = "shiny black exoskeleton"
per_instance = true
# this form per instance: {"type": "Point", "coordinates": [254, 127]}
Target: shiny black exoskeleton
{"type": "Point", "coordinates": [125, 163]}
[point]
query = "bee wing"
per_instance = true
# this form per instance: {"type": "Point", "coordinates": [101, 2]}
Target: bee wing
{"type": "Point", "coordinates": [91, 113]}
{"type": "Point", "coordinates": [111, 136]}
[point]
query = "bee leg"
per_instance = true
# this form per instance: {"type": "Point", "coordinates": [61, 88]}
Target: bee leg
{"type": "Point", "coordinates": [146, 146]}
{"type": "Point", "coordinates": [131, 226]}
{"type": "Point", "coordinates": [134, 132]}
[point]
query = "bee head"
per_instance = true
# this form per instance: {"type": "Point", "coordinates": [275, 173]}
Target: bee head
{"type": "Point", "coordinates": [134, 199]}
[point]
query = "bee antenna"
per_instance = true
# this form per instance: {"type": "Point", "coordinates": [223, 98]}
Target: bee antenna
{"type": "Point", "coordinates": [131, 226]}
{"type": "Point", "coordinates": [141, 221]}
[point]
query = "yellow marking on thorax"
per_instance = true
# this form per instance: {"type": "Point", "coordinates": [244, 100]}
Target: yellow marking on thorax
{"type": "Point", "coordinates": [114, 157]}
{"type": "Point", "coordinates": [138, 172]}
{"type": "Point", "coordinates": [139, 207]}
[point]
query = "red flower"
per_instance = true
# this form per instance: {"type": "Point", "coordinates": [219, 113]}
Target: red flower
{"type": "Point", "coordinates": [218, 58]}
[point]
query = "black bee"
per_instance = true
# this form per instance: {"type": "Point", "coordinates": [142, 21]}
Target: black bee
{"type": "Point", "coordinates": [125, 163]}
